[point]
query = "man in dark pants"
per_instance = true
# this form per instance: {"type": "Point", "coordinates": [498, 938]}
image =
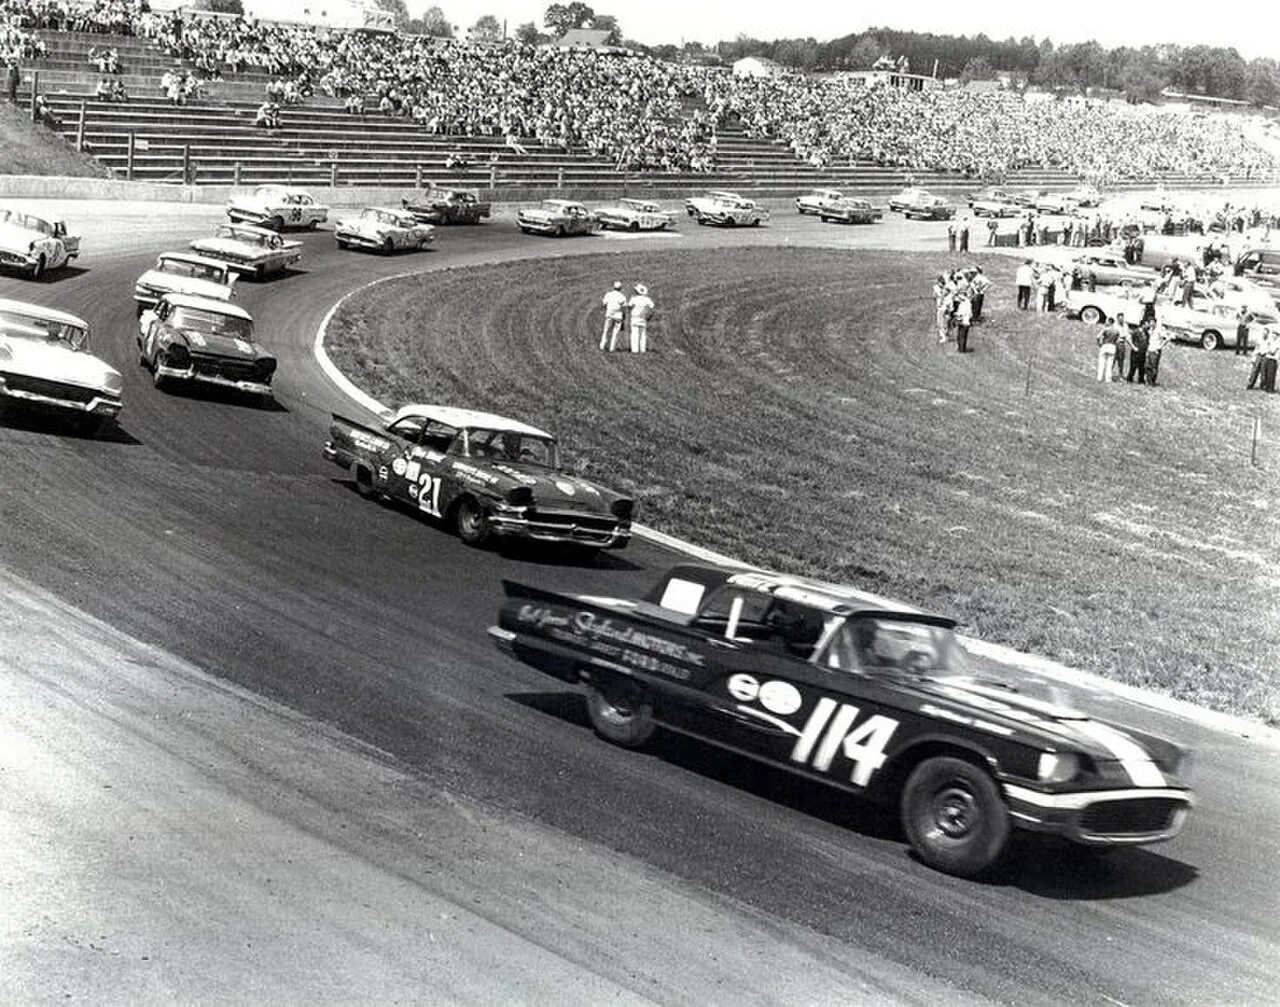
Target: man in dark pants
{"type": "Point", "coordinates": [12, 78]}
{"type": "Point", "coordinates": [1137, 354]}
{"type": "Point", "coordinates": [1024, 277]}
{"type": "Point", "coordinates": [1242, 332]}
{"type": "Point", "coordinates": [964, 237]}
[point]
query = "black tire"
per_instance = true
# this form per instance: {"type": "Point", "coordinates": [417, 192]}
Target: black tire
{"type": "Point", "coordinates": [388, 246]}
{"type": "Point", "coordinates": [620, 714]}
{"type": "Point", "coordinates": [95, 426]}
{"type": "Point", "coordinates": [634, 226]}
{"type": "Point", "coordinates": [364, 483]}
{"type": "Point", "coordinates": [954, 817]}
{"type": "Point", "coordinates": [755, 222]}
{"type": "Point", "coordinates": [1091, 315]}
{"type": "Point", "coordinates": [37, 271]}
{"type": "Point", "coordinates": [312, 224]}
{"type": "Point", "coordinates": [342, 244]}
{"type": "Point", "coordinates": [276, 223]}
{"type": "Point", "coordinates": [1210, 339]}
{"type": "Point", "coordinates": [823, 218]}
{"type": "Point", "coordinates": [159, 380]}
{"type": "Point", "coordinates": [560, 231]}
{"type": "Point", "coordinates": [472, 522]}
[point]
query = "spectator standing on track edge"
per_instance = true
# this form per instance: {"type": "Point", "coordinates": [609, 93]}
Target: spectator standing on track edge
{"type": "Point", "coordinates": [1108, 340]}
{"type": "Point", "coordinates": [641, 307]}
{"type": "Point", "coordinates": [615, 303]}
{"type": "Point", "coordinates": [964, 318]}
{"type": "Point", "coordinates": [1160, 338]}
{"type": "Point", "coordinates": [1024, 278]}
{"type": "Point", "coordinates": [12, 78]}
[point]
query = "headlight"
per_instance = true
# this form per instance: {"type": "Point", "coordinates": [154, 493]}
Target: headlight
{"type": "Point", "coordinates": [520, 496]}
{"type": "Point", "coordinates": [1057, 767]}
{"type": "Point", "coordinates": [622, 509]}
{"type": "Point", "coordinates": [113, 384]}
{"type": "Point", "coordinates": [177, 355]}
{"type": "Point", "coordinates": [266, 368]}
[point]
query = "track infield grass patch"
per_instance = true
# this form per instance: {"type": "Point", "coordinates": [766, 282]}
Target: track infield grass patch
{"type": "Point", "coordinates": [797, 411]}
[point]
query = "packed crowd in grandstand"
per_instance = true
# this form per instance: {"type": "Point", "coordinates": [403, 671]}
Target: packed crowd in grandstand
{"type": "Point", "coordinates": [649, 114]}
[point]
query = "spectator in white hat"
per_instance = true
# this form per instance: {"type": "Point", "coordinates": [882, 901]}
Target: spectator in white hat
{"type": "Point", "coordinates": [641, 305]}
{"type": "Point", "coordinates": [615, 303]}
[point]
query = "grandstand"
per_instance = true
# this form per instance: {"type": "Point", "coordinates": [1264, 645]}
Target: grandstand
{"type": "Point", "coordinates": [213, 141]}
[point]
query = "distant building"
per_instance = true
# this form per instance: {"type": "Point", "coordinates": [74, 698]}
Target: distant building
{"type": "Point", "coordinates": [583, 38]}
{"type": "Point", "coordinates": [893, 78]}
{"type": "Point", "coordinates": [757, 66]}
{"type": "Point", "coordinates": [348, 14]}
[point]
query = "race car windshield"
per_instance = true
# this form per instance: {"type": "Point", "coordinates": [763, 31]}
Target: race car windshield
{"type": "Point", "coordinates": [864, 643]}
{"type": "Point", "coordinates": [509, 446]}
{"type": "Point", "coordinates": [245, 237]}
{"type": "Point", "coordinates": [212, 324]}
{"type": "Point", "coordinates": [195, 270]}
{"type": "Point", "coordinates": [19, 326]}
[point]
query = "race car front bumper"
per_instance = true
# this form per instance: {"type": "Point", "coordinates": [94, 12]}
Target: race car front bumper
{"type": "Point", "coordinates": [1104, 817]}
{"type": "Point", "coordinates": [42, 392]}
{"type": "Point", "coordinates": [193, 374]}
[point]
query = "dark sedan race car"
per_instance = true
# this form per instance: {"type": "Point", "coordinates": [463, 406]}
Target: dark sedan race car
{"type": "Point", "coordinates": [836, 686]}
{"type": "Point", "coordinates": [485, 475]}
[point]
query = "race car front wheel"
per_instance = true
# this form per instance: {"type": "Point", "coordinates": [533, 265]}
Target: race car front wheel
{"type": "Point", "coordinates": [473, 522]}
{"type": "Point", "coordinates": [954, 817]}
{"type": "Point", "coordinates": [618, 713]}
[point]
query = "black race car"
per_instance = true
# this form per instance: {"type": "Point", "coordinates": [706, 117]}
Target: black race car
{"type": "Point", "coordinates": [447, 206]}
{"type": "Point", "coordinates": [838, 687]}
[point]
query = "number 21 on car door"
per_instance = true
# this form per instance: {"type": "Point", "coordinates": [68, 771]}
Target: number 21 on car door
{"type": "Point", "coordinates": [422, 486]}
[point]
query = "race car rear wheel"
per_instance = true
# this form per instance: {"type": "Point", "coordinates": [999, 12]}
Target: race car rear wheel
{"type": "Point", "coordinates": [364, 483]}
{"type": "Point", "coordinates": [633, 226]}
{"type": "Point", "coordinates": [388, 246]}
{"type": "Point", "coordinates": [619, 713]}
{"type": "Point", "coordinates": [1210, 340]}
{"type": "Point", "coordinates": [37, 271]}
{"type": "Point", "coordinates": [473, 522]}
{"type": "Point", "coordinates": [276, 223]}
{"type": "Point", "coordinates": [1091, 315]}
{"type": "Point", "coordinates": [954, 817]}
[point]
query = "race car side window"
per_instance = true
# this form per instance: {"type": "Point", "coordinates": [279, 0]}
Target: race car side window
{"type": "Point", "coordinates": [734, 613]}
{"type": "Point", "coordinates": [438, 436]}
{"type": "Point", "coordinates": [409, 428]}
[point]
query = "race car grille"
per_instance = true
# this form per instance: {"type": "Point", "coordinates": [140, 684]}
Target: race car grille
{"type": "Point", "coordinates": [50, 389]}
{"type": "Point", "coordinates": [230, 370]}
{"type": "Point", "coordinates": [587, 522]}
{"type": "Point", "coordinates": [1132, 817]}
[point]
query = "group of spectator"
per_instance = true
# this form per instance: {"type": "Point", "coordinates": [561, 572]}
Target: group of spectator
{"type": "Point", "coordinates": [1127, 350]}
{"type": "Point", "coordinates": [621, 311]}
{"type": "Point", "coordinates": [1262, 342]}
{"type": "Point", "coordinates": [959, 297]}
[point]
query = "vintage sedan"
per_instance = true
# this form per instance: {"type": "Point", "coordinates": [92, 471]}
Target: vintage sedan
{"type": "Point", "coordinates": [907, 197]}
{"type": "Point", "coordinates": [992, 206]}
{"type": "Point", "coordinates": [851, 210]}
{"type": "Point", "coordinates": [1084, 196]}
{"type": "Point", "coordinates": [195, 339]}
{"type": "Point", "coordinates": [725, 209]}
{"type": "Point", "coordinates": [635, 215]}
{"type": "Point", "coordinates": [1054, 204]}
{"type": "Point", "coordinates": [35, 242]}
{"type": "Point", "coordinates": [277, 207]}
{"type": "Point", "coordinates": [1105, 268]}
{"type": "Point", "coordinates": [929, 207]}
{"type": "Point", "coordinates": [45, 365]}
{"type": "Point", "coordinates": [1209, 322]}
{"type": "Point", "coordinates": [814, 200]}
{"type": "Point", "coordinates": [558, 217]}
{"type": "Point", "coordinates": [383, 229]}
{"type": "Point", "coordinates": [184, 273]}
{"type": "Point", "coordinates": [447, 206]}
{"type": "Point", "coordinates": [850, 691]}
{"type": "Point", "coordinates": [486, 476]}
{"type": "Point", "coordinates": [254, 251]}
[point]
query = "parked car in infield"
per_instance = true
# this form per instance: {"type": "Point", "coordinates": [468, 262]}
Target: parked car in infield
{"type": "Point", "coordinates": [184, 273]}
{"type": "Point", "coordinates": [635, 215]}
{"type": "Point", "coordinates": [1084, 196]}
{"type": "Point", "coordinates": [486, 476]}
{"type": "Point", "coordinates": [45, 365]}
{"type": "Point", "coordinates": [1054, 203]}
{"type": "Point", "coordinates": [255, 251]}
{"type": "Point", "coordinates": [851, 210]}
{"type": "Point", "coordinates": [929, 208]}
{"type": "Point", "coordinates": [559, 217]}
{"type": "Point", "coordinates": [34, 243]}
{"type": "Point", "coordinates": [848, 690]}
{"type": "Point", "coordinates": [277, 207]}
{"type": "Point", "coordinates": [195, 339]}
{"type": "Point", "coordinates": [1262, 267]}
{"type": "Point", "coordinates": [447, 206]}
{"type": "Point", "coordinates": [1107, 268]}
{"type": "Point", "coordinates": [814, 200]}
{"type": "Point", "coordinates": [382, 229]}
{"type": "Point", "coordinates": [1209, 322]}
{"type": "Point", "coordinates": [725, 209]}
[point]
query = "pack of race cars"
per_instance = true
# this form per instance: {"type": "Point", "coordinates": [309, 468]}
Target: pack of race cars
{"type": "Point", "coordinates": [829, 684]}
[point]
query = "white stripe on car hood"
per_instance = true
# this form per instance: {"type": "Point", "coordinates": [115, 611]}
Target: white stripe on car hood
{"type": "Point", "coordinates": [1131, 756]}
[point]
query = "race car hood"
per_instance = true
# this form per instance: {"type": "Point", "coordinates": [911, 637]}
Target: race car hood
{"type": "Point", "coordinates": [18, 239]}
{"type": "Point", "coordinates": [226, 347]}
{"type": "Point", "coordinates": [229, 248]}
{"type": "Point", "coordinates": [1000, 709]}
{"type": "Point", "coordinates": [168, 283]}
{"type": "Point", "coordinates": [56, 362]}
{"type": "Point", "coordinates": [358, 225]}
{"type": "Point", "coordinates": [555, 490]}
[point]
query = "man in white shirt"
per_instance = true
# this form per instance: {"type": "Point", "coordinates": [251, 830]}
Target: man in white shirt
{"type": "Point", "coordinates": [641, 305]}
{"type": "Point", "coordinates": [615, 302]}
{"type": "Point", "coordinates": [1024, 277]}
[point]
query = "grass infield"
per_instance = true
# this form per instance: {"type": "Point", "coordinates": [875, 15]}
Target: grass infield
{"type": "Point", "coordinates": [798, 412]}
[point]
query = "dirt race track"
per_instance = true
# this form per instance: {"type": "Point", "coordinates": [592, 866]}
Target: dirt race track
{"type": "Point", "coordinates": [255, 746]}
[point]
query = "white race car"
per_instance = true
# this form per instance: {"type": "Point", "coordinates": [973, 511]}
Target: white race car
{"type": "Point", "coordinates": [816, 200]}
{"type": "Point", "coordinates": [383, 229]}
{"type": "Point", "coordinates": [249, 249]}
{"type": "Point", "coordinates": [725, 209]}
{"type": "Point", "coordinates": [34, 242]}
{"type": "Point", "coordinates": [277, 207]}
{"type": "Point", "coordinates": [184, 273]}
{"type": "Point", "coordinates": [45, 364]}
{"type": "Point", "coordinates": [635, 215]}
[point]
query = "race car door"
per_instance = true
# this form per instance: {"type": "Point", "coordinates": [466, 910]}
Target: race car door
{"type": "Point", "coordinates": [414, 470]}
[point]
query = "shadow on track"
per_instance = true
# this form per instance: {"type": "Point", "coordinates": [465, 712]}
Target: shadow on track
{"type": "Point", "coordinates": [54, 276]}
{"type": "Point", "coordinates": [65, 427]}
{"type": "Point", "coordinates": [1050, 868]}
{"type": "Point", "coordinates": [197, 392]}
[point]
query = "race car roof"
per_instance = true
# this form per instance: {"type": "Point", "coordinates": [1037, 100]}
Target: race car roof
{"type": "Point", "coordinates": [206, 304]}
{"type": "Point", "coordinates": [251, 228]}
{"type": "Point", "coordinates": [469, 419]}
{"type": "Point", "coordinates": [192, 257]}
{"type": "Point", "coordinates": [39, 311]}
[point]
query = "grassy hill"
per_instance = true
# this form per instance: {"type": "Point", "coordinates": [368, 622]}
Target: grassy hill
{"type": "Point", "coordinates": [799, 413]}
{"type": "Point", "coordinates": [28, 149]}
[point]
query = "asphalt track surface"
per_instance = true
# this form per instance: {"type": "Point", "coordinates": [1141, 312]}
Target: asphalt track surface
{"type": "Point", "coordinates": [207, 567]}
